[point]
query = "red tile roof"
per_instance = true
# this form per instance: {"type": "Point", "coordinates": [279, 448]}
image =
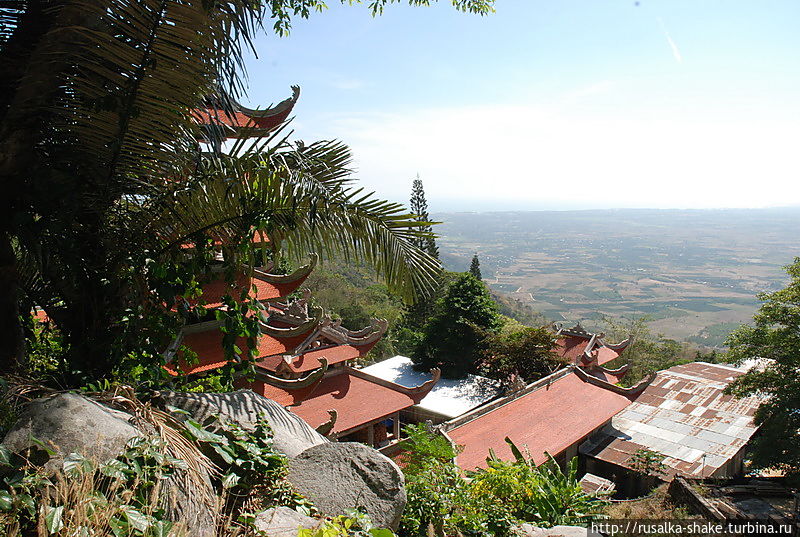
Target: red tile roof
{"type": "Point", "coordinates": [310, 360]}
{"type": "Point", "coordinates": [550, 419]}
{"type": "Point", "coordinates": [571, 347]}
{"type": "Point", "coordinates": [239, 119]}
{"type": "Point", "coordinates": [356, 400]}
{"type": "Point", "coordinates": [605, 355]}
{"type": "Point", "coordinates": [210, 354]}
{"type": "Point", "coordinates": [269, 291]}
{"type": "Point", "coordinates": [214, 290]}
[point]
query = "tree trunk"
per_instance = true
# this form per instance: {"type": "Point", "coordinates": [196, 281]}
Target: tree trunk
{"type": "Point", "coordinates": [12, 348]}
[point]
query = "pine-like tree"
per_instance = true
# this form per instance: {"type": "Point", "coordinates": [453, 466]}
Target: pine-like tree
{"type": "Point", "coordinates": [475, 268]}
{"type": "Point", "coordinates": [452, 337]}
{"type": "Point", "coordinates": [419, 206]}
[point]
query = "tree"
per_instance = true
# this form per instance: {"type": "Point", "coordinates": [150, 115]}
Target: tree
{"type": "Point", "coordinates": [523, 352]}
{"type": "Point", "coordinates": [419, 206]}
{"type": "Point", "coordinates": [452, 337]}
{"type": "Point", "coordinates": [475, 268]}
{"type": "Point", "coordinates": [102, 178]}
{"type": "Point", "coordinates": [647, 352]}
{"type": "Point", "coordinates": [774, 337]}
{"type": "Point", "coordinates": [647, 463]}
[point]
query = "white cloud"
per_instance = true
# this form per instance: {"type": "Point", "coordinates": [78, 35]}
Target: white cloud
{"type": "Point", "coordinates": [520, 154]}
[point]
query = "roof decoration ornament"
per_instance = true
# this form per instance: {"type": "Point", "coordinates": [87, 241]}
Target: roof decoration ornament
{"type": "Point", "coordinates": [293, 384]}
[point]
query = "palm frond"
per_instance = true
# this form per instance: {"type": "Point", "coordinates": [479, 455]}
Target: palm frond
{"type": "Point", "coordinates": [301, 195]}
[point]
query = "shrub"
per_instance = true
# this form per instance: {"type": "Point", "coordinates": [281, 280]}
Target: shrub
{"type": "Point", "coordinates": [490, 502]}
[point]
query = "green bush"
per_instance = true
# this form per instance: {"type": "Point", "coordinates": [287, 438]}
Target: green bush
{"type": "Point", "coordinates": [443, 501]}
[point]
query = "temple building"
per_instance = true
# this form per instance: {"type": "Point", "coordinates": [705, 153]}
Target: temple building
{"type": "Point", "coordinates": [685, 416]}
{"type": "Point", "coordinates": [303, 359]}
{"type": "Point", "coordinates": [553, 415]}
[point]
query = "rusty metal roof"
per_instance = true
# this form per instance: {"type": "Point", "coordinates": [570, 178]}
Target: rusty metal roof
{"type": "Point", "coordinates": [685, 416]}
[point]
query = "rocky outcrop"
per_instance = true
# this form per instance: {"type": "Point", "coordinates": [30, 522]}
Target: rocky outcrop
{"type": "Point", "coordinates": [337, 476]}
{"type": "Point", "coordinates": [291, 437]}
{"type": "Point", "coordinates": [68, 423]}
{"type": "Point", "coordinates": [284, 522]}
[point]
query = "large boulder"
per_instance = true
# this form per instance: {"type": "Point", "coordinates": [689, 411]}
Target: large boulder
{"type": "Point", "coordinates": [292, 435]}
{"type": "Point", "coordinates": [68, 423]}
{"type": "Point", "coordinates": [284, 522]}
{"type": "Point", "coordinates": [337, 476]}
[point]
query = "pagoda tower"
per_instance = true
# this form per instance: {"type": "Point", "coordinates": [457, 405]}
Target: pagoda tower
{"type": "Point", "coordinates": [303, 358]}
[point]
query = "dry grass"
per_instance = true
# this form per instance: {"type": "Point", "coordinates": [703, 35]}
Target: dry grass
{"type": "Point", "coordinates": [657, 506]}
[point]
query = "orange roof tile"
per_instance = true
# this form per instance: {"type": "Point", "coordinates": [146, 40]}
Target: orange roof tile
{"type": "Point", "coordinates": [605, 355]}
{"type": "Point", "coordinates": [210, 354]}
{"type": "Point", "coordinates": [570, 347]}
{"type": "Point", "coordinates": [357, 401]}
{"type": "Point", "coordinates": [310, 360]}
{"type": "Point", "coordinates": [239, 119]}
{"type": "Point", "coordinates": [214, 290]}
{"type": "Point", "coordinates": [550, 419]}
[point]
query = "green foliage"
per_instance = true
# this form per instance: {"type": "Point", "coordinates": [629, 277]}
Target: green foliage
{"type": "Point", "coordinates": [352, 293]}
{"type": "Point", "coordinates": [521, 352]}
{"type": "Point", "coordinates": [453, 336]}
{"type": "Point", "coordinates": [94, 229]}
{"type": "Point", "coordinates": [518, 310]}
{"type": "Point", "coordinates": [544, 495]}
{"type": "Point", "coordinates": [646, 462]}
{"type": "Point", "coordinates": [775, 336]}
{"type": "Point", "coordinates": [419, 206]}
{"type": "Point", "coordinates": [120, 495]}
{"type": "Point", "coordinates": [648, 352]}
{"type": "Point", "coordinates": [492, 501]}
{"type": "Point", "coordinates": [420, 447]}
{"type": "Point", "coordinates": [475, 268]}
{"type": "Point", "coordinates": [353, 523]}
{"type": "Point", "coordinates": [250, 465]}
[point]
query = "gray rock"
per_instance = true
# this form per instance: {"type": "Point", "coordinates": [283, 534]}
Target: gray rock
{"type": "Point", "coordinates": [292, 435]}
{"type": "Point", "coordinates": [337, 476]}
{"type": "Point", "coordinates": [557, 531]}
{"type": "Point", "coordinates": [69, 423]}
{"type": "Point", "coordinates": [284, 522]}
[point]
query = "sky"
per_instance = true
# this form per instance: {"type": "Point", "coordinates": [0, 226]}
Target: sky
{"type": "Point", "coordinates": [556, 104]}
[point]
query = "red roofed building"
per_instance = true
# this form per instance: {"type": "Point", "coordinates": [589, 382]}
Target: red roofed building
{"type": "Point", "coordinates": [553, 415]}
{"type": "Point", "coordinates": [579, 347]}
{"type": "Point", "coordinates": [302, 357]}
{"type": "Point", "coordinates": [354, 405]}
{"type": "Point", "coordinates": [225, 118]}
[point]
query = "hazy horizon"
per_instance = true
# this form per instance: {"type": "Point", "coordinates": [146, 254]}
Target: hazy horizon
{"type": "Point", "coordinates": [439, 207]}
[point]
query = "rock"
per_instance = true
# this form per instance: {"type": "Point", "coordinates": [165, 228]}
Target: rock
{"type": "Point", "coordinates": [284, 522]}
{"type": "Point", "coordinates": [337, 476]}
{"type": "Point", "coordinates": [70, 423]}
{"type": "Point", "coordinates": [292, 435]}
{"type": "Point", "coordinates": [529, 530]}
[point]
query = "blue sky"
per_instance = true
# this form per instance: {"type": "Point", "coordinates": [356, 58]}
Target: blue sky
{"type": "Point", "coordinates": [553, 104]}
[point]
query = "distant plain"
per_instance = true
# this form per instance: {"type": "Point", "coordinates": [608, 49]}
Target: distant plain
{"type": "Point", "coordinates": [694, 273]}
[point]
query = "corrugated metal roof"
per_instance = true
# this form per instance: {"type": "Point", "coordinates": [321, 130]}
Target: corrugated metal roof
{"type": "Point", "coordinates": [685, 416]}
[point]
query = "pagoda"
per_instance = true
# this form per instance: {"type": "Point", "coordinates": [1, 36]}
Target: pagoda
{"type": "Point", "coordinates": [590, 352]}
{"type": "Point", "coordinates": [303, 358]}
